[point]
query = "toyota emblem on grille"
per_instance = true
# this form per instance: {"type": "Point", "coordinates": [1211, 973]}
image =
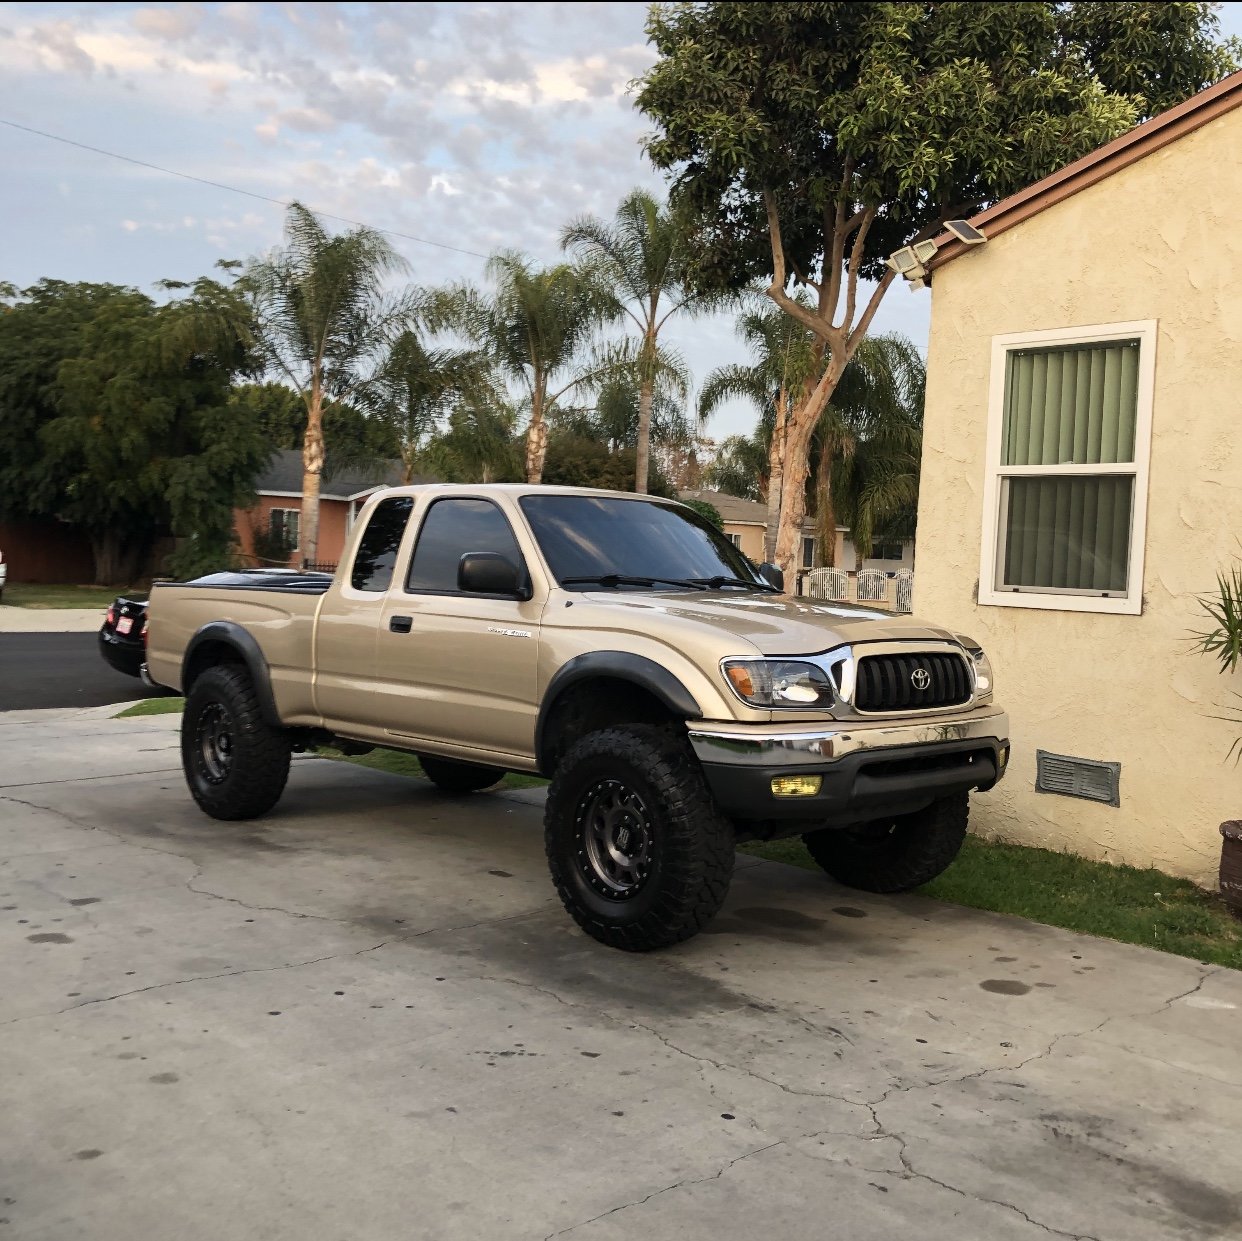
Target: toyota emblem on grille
{"type": "Point", "coordinates": [920, 678]}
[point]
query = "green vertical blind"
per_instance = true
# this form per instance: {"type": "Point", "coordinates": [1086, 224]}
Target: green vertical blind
{"type": "Point", "coordinates": [1068, 533]}
{"type": "Point", "coordinates": [1071, 406]}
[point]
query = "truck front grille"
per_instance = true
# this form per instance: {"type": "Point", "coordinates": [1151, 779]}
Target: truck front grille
{"type": "Point", "coordinates": [911, 682]}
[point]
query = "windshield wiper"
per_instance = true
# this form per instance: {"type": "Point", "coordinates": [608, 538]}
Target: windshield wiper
{"type": "Point", "coordinates": [612, 580]}
{"type": "Point", "coordinates": [715, 583]}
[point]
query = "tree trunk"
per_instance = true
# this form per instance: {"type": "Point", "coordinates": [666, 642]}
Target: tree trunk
{"type": "Point", "coordinates": [646, 396]}
{"type": "Point", "coordinates": [536, 441]}
{"type": "Point", "coordinates": [825, 511]}
{"type": "Point", "coordinates": [799, 431]}
{"type": "Point", "coordinates": [776, 474]}
{"type": "Point", "coordinates": [312, 470]}
{"type": "Point", "coordinates": [106, 550]}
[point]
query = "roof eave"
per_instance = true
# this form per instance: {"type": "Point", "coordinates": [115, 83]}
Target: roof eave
{"type": "Point", "coordinates": [1132, 146]}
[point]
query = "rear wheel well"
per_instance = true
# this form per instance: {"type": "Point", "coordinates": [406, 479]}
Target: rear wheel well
{"type": "Point", "coordinates": [591, 704]}
{"type": "Point", "coordinates": [210, 654]}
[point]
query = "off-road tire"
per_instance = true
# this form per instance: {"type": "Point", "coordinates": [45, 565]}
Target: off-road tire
{"type": "Point", "coordinates": [454, 777]}
{"type": "Point", "coordinates": [257, 767]}
{"type": "Point", "coordinates": [894, 855]}
{"type": "Point", "coordinates": [691, 842]}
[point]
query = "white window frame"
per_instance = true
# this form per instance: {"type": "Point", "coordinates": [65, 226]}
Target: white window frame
{"type": "Point", "coordinates": [735, 539]}
{"type": "Point", "coordinates": [803, 563]}
{"type": "Point", "coordinates": [297, 546]}
{"type": "Point", "coordinates": [1130, 604]}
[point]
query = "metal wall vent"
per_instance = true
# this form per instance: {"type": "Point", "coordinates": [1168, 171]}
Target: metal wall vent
{"type": "Point", "coordinates": [1078, 777]}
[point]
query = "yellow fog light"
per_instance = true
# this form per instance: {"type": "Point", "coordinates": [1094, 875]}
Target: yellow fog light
{"type": "Point", "coordinates": [796, 786]}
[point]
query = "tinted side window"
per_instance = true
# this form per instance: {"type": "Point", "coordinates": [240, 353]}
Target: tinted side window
{"type": "Point", "coordinates": [377, 552]}
{"type": "Point", "coordinates": [450, 530]}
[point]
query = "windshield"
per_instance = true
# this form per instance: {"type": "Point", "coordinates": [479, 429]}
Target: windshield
{"type": "Point", "coordinates": [588, 538]}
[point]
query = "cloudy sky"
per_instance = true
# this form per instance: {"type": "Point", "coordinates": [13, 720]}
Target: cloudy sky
{"type": "Point", "coordinates": [476, 126]}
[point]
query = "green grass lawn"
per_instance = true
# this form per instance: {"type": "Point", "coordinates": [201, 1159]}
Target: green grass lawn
{"type": "Point", "coordinates": [28, 595]}
{"type": "Point", "coordinates": [1134, 906]}
{"type": "Point", "coordinates": [152, 706]}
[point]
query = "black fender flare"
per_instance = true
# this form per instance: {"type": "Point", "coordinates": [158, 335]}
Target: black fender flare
{"type": "Point", "coordinates": [638, 670]}
{"type": "Point", "coordinates": [234, 636]}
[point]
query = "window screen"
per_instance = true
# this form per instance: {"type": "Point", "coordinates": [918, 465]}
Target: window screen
{"type": "Point", "coordinates": [1066, 526]}
{"type": "Point", "coordinates": [377, 550]}
{"type": "Point", "coordinates": [451, 529]}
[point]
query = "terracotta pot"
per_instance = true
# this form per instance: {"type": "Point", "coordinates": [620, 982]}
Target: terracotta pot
{"type": "Point", "coordinates": [1231, 865]}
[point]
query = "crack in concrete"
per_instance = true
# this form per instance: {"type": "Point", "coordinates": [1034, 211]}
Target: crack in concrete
{"type": "Point", "coordinates": [655, 1193]}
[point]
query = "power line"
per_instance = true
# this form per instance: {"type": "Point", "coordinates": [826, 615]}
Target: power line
{"type": "Point", "coordinates": [234, 189]}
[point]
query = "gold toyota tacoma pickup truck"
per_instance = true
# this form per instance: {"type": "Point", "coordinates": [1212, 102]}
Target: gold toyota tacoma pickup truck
{"type": "Point", "coordinates": [676, 699]}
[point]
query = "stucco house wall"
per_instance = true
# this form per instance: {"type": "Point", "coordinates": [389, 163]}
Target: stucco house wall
{"type": "Point", "coordinates": [1159, 240]}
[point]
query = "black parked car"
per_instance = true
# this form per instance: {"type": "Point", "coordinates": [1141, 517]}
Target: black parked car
{"type": "Point", "coordinates": [123, 638]}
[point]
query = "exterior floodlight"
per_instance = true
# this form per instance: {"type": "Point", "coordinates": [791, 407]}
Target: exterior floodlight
{"type": "Point", "coordinates": [923, 250]}
{"type": "Point", "coordinates": [965, 232]}
{"type": "Point", "coordinates": [903, 260]}
{"type": "Point", "coordinates": [917, 282]}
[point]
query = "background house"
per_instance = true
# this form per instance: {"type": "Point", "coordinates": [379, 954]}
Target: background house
{"type": "Point", "coordinates": [745, 521]}
{"type": "Point", "coordinates": [279, 507]}
{"type": "Point", "coordinates": [1082, 483]}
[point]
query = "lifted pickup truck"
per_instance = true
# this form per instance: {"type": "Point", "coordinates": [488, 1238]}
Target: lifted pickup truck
{"type": "Point", "coordinates": [677, 700]}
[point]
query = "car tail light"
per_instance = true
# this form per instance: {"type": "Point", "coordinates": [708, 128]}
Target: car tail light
{"type": "Point", "coordinates": [142, 633]}
{"type": "Point", "coordinates": [110, 619]}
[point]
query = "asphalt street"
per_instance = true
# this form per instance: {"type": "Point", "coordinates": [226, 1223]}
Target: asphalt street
{"type": "Point", "coordinates": [60, 670]}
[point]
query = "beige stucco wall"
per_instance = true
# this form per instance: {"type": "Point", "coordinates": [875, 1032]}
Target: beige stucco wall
{"type": "Point", "coordinates": [1161, 240]}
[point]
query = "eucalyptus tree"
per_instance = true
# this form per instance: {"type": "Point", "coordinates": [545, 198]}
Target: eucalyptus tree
{"type": "Point", "coordinates": [818, 138]}
{"type": "Point", "coordinates": [325, 322]}
{"type": "Point", "coordinates": [646, 255]}
{"type": "Point", "coordinates": [538, 325]}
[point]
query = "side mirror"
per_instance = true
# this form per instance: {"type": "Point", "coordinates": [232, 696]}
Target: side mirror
{"type": "Point", "coordinates": [772, 575]}
{"type": "Point", "coordinates": [490, 573]}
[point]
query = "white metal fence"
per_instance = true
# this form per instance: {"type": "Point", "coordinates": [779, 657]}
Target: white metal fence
{"type": "Point", "coordinates": [872, 585]}
{"type": "Point", "coordinates": [904, 582]}
{"type": "Point", "coordinates": [827, 583]}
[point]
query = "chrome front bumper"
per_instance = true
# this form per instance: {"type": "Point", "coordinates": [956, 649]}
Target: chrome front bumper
{"type": "Point", "coordinates": [796, 745]}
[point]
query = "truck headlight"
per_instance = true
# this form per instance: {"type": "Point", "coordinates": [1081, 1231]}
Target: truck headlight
{"type": "Point", "coordinates": [778, 683]}
{"type": "Point", "coordinates": [983, 667]}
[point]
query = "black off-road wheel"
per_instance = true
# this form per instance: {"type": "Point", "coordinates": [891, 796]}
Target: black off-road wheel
{"type": "Point", "coordinates": [639, 853]}
{"type": "Point", "coordinates": [235, 763]}
{"type": "Point", "coordinates": [454, 777]}
{"type": "Point", "coordinates": [894, 855]}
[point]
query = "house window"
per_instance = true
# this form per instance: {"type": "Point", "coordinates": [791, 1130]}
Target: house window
{"type": "Point", "coordinates": [808, 553]}
{"type": "Point", "coordinates": [1065, 498]}
{"type": "Point", "coordinates": [735, 539]}
{"type": "Point", "coordinates": [887, 551]}
{"type": "Point", "coordinates": [285, 525]}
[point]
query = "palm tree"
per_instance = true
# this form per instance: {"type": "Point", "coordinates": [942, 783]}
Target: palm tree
{"type": "Point", "coordinates": [420, 386]}
{"type": "Point", "coordinates": [537, 325]}
{"type": "Point", "coordinates": [865, 448]}
{"type": "Point", "coordinates": [645, 257]}
{"type": "Point", "coordinates": [325, 322]}
{"type": "Point", "coordinates": [616, 414]}
{"type": "Point", "coordinates": [478, 445]}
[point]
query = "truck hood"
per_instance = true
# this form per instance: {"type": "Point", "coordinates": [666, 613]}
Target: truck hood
{"type": "Point", "coordinates": [772, 624]}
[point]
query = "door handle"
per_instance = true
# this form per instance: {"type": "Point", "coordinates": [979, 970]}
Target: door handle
{"type": "Point", "coordinates": [400, 624]}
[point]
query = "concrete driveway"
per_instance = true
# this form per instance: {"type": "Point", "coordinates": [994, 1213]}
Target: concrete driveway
{"type": "Point", "coordinates": [364, 1017]}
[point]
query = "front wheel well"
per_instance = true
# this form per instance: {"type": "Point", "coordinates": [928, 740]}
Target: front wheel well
{"type": "Point", "coordinates": [593, 703]}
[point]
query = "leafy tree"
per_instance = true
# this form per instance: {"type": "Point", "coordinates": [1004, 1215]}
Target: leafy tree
{"type": "Point", "coordinates": [579, 461]}
{"type": "Point", "coordinates": [817, 138]}
{"type": "Point", "coordinates": [646, 257]}
{"type": "Point", "coordinates": [616, 415]}
{"type": "Point", "coordinates": [537, 325]}
{"type": "Point", "coordinates": [353, 438]}
{"type": "Point", "coordinates": [115, 415]}
{"type": "Point", "coordinates": [740, 466]}
{"type": "Point", "coordinates": [709, 511]}
{"type": "Point", "coordinates": [325, 323]}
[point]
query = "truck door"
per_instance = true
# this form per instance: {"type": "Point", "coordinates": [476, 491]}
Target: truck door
{"type": "Point", "coordinates": [345, 639]}
{"type": "Point", "coordinates": [457, 667]}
